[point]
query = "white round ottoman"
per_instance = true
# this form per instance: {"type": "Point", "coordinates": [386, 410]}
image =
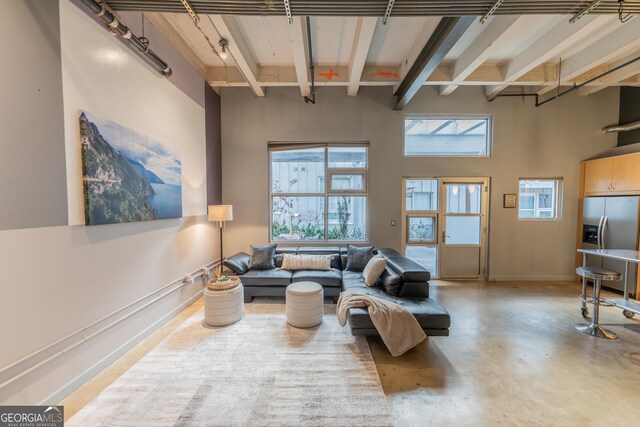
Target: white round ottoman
{"type": "Point", "coordinates": [305, 304]}
{"type": "Point", "coordinates": [223, 307]}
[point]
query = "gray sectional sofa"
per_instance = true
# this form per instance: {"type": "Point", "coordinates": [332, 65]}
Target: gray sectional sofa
{"type": "Point", "coordinates": [403, 282]}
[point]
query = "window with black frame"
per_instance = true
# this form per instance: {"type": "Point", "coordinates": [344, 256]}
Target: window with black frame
{"type": "Point", "coordinates": [318, 192]}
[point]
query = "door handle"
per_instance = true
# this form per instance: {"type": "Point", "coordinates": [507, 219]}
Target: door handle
{"type": "Point", "coordinates": [599, 232]}
{"type": "Point", "coordinates": [613, 186]}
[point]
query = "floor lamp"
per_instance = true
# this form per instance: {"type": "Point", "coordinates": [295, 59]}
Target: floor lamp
{"type": "Point", "coordinates": [220, 214]}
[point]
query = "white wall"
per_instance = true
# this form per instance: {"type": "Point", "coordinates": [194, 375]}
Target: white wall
{"type": "Point", "coordinates": [57, 280]}
{"type": "Point", "coordinates": [548, 141]}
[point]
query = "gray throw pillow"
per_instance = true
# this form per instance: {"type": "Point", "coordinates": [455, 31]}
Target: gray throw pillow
{"type": "Point", "coordinates": [357, 258]}
{"type": "Point", "coordinates": [262, 257]}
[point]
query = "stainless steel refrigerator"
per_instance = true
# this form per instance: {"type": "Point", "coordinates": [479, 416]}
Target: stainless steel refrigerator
{"type": "Point", "coordinates": [611, 223]}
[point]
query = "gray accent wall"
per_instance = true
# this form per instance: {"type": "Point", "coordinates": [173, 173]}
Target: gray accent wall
{"type": "Point", "coordinates": [528, 142]}
{"type": "Point", "coordinates": [33, 188]}
{"type": "Point", "coordinates": [214, 145]}
{"type": "Point", "coordinates": [629, 112]}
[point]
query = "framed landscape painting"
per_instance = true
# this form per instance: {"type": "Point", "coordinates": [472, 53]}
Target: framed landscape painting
{"type": "Point", "coordinates": [127, 176]}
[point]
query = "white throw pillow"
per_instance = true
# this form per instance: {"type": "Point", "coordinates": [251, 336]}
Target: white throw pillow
{"type": "Point", "coordinates": [374, 269]}
{"type": "Point", "coordinates": [306, 262]}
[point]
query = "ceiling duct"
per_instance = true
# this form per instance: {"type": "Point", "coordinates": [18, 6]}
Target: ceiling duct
{"type": "Point", "coordinates": [379, 8]}
{"type": "Point", "coordinates": [102, 9]}
{"type": "Point", "coordinates": [621, 128]}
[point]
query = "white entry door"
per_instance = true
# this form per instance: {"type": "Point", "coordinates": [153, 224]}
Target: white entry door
{"type": "Point", "coordinates": [463, 228]}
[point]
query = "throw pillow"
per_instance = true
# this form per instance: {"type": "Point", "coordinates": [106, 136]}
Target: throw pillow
{"type": "Point", "coordinates": [306, 262]}
{"type": "Point", "coordinates": [358, 257]}
{"type": "Point", "coordinates": [374, 269]}
{"type": "Point", "coordinates": [262, 257]}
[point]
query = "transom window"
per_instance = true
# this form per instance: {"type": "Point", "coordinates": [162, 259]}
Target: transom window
{"type": "Point", "coordinates": [318, 191]}
{"type": "Point", "coordinates": [442, 136]}
{"type": "Point", "coordinates": [539, 199]}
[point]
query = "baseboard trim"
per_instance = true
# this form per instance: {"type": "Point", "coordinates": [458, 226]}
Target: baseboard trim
{"type": "Point", "coordinates": [570, 278]}
{"type": "Point", "coordinates": [56, 397]}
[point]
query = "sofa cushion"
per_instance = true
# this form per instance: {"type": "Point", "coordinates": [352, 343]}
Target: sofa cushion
{"type": "Point", "coordinates": [410, 271]}
{"type": "Point", "coordinates": [358, 257]}
{"type": "Point", "coordinates": [428, 313]}
{"type": "Point", "coordinates": [281, 251]}
{"type": "Point", "coordinates": [271, 277]}
{"type": "Point", "coordinates": [331, 279]}
{"type": "Point", "coordinates": [262, 257]}
{"type": "Point", "coordinates": [389, 253]}
{"type": "Point", "coordinates": [307, 262]}
{"type": "Point", "coordinates": [329, 250]}
{"type": "Point", "coordinates": [391, 282]}
{"type": "Point", "coordinates": [239, 263]}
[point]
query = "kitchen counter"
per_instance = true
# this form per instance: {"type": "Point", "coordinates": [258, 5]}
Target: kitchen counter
{"type": "Point", "coordinates": [619, 254]}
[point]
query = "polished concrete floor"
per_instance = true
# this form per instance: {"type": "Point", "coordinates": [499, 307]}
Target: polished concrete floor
{"type": "Point", "coordinates": [513, 358]}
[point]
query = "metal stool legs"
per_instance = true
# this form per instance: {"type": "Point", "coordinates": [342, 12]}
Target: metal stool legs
{"type": "Point", "coordinates": [594, 329]}
{"type": "Point", "coordinates": [583, 299]}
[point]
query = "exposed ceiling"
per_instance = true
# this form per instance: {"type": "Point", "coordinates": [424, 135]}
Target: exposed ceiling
{"type": "Point", "coordinates": [509, 52]}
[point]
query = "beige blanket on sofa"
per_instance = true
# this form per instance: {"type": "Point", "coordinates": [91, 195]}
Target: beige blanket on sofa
{"type": "Point", "coordinates": [399, 330]}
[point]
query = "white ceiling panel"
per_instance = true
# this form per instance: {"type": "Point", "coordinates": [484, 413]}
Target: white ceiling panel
{"type": "Point", "coordinates": [391, 42]}
{"type": "Point", "coordinates": [268, 39]}
{"type": "Point", "coordinates": [332, 39]}
{"type": "Point", "coordinates": [540, 24]}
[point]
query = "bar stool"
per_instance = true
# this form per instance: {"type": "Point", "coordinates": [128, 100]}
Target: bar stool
{"type": "Point", "coordinates": [597, 275]}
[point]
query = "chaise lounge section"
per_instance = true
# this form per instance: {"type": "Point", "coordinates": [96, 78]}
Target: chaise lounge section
{"type": "Point", "coordinates": [403, 282]}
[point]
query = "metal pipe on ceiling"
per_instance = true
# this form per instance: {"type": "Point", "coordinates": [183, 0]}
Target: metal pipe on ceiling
{"type": "Point", "coordinates": [621, 128]}
{"type": "Point", "coordinates": [103, 10]}
{"type": "Point", "coordinates": [572, 88]}
{"type": "Point", "coordinates": [311, 99]}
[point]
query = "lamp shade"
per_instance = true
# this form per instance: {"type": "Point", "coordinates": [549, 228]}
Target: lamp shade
{"type": "Point", "coordinates": [220, 213]}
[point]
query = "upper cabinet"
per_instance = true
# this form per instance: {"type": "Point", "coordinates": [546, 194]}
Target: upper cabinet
{"type": "Point", "coordinates": [612, 176]}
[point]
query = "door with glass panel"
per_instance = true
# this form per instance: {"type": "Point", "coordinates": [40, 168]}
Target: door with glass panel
{"type": "Point", "coordinates": [463, 228]}
{"type": "Point", "coordinates": [445, 225]}
{"type": "Point", "coordinates": [420, 224]}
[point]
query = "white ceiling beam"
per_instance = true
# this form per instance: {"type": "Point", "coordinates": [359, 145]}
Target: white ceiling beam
{"type": "Point", "coordinates": [550, 45]}
{"type": "Point", "coordinates": [498, 32]}
{"type": "Point", "coordinates": [227, 27]}
{"type": "Point", "coordinates": [616, 77]}
{"type": "Point", "coordinates": [365, 28]}
{"type": "Point", "coordinates": [336, 75]}
{"type": "Point", "coordinates": [297, 31]}
{"type": "Point", "coordinates": [604, 50]}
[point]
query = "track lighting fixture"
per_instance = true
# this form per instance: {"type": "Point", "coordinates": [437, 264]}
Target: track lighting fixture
{"type": "Point", "coordinates": [224, 54]}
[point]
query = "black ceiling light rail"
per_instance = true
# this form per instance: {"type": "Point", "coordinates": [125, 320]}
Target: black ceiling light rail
{"type": "Point", "coordinates": [571, 89]}
{"type": "Point", "coordinates": [379, 7]}
{"type": "Point", "coordinates": [311, 99]}
{"type": "Point", "coordinates": [103, 10]}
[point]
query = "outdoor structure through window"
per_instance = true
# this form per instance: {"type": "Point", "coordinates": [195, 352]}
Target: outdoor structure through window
{"type": "Point", "coordinates": [539, 199]}
{"type": "Point", "coordinates": [318, 192]}
{"type": "Point", "coordinates": [442, 136]}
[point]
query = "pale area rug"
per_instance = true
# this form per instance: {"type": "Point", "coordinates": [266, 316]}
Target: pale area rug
{"type": "Point", "coordinates": [257, 372]}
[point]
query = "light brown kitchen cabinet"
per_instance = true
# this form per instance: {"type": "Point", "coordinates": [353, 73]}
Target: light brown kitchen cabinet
{"type": "Point", "coordinates": [626, 174]}
{"type": "Point", "coordinates": [610, 176]}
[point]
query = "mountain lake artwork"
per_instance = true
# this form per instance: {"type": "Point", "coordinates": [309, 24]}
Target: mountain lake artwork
{"type": "Point", "coordinates": [127, 176]}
